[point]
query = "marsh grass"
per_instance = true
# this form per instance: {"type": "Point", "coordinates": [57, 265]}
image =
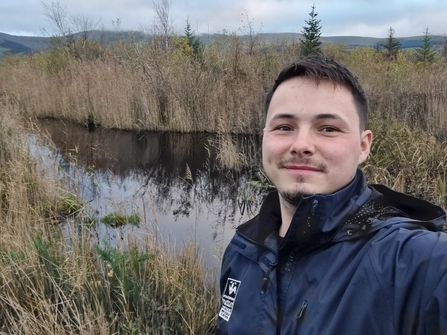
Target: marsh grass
{"type": "Point", "coordinates": [52, 282]}
{"type": "Point", "coordinates": [229, 154]}
{"type": "Point", "coordinates": [144, 87]}
{"type": "Point", "coordinates": [407, 160]}
{"type": "Point", "coordinates": [117, 219]}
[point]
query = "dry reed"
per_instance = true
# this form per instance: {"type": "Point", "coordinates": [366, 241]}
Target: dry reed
{"type": "Point", "coordinates": [144, 87]}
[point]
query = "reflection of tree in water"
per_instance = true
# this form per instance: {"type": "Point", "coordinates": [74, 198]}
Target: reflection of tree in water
{"type": "Point", "coordinates": [181, 169]}
{"type": "Point", "coordinates": [190, 177]}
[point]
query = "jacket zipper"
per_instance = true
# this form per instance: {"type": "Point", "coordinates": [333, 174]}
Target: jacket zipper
{"type": "Point", "coordinates": [299, 315]}
{"type": "Point", "coordinates": [265, 280]}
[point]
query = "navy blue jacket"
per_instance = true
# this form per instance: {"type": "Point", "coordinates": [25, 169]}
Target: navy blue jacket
{"type": "Point", "coordinates": [364, 260]}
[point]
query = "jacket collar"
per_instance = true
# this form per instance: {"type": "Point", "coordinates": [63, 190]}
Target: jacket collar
{"type": "Point", "coordinates": [317, 216]}
{"type": "Point", "coordinates": [337, 216]}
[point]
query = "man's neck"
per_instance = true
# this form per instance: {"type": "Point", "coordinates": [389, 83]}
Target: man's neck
{"type": "Point", "coordinates": [287, 212]}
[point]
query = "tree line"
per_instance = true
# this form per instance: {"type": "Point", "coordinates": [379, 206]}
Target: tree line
{"type": "Point", "coordinates": [162, 32]}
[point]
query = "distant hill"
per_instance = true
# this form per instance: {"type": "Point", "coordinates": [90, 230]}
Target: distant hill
{"type": "Point", "coordinates": [349, 41]}
{"type": "Point", "coordinates": [7, 46]}
{"type": "Point", "coordinates": [35, 43]}
{"type": "Point", "coordinates": [359, 41]}
{"type": "Point", "coordinates": [27, 44]}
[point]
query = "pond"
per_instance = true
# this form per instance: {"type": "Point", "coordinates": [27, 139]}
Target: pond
{"type": "Point", "coordinates": [184, 187]}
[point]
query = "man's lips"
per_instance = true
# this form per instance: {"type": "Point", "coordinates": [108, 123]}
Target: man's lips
{"type": "Point", "coordinates": [301, 168]}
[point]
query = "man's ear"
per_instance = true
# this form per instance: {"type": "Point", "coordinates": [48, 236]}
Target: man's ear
{"type": "Point", "coordinates": [365, 145]}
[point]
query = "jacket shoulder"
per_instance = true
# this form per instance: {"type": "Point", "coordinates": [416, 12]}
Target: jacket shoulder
{"type": "Point", "coordinates": [410, 266]}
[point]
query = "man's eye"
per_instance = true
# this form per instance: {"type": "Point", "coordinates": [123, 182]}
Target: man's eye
{"type": "Point", "coordinates": [284, 128]}
{"type": "Point", "coordinates": [329, 129]}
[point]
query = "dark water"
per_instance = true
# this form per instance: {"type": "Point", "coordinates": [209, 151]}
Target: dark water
{"type": "Point", "coordinates": [174, 182]}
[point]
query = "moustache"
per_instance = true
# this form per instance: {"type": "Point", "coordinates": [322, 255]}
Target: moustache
{"type": "Point", "coordinates": [307, 162]}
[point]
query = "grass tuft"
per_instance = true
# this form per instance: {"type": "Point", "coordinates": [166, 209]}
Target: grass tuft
{"type": "Point", "coordinates": [117, 219]}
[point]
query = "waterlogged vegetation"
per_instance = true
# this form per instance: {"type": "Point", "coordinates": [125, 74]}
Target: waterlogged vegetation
{"type": "Point", "coordinates": [52, 283]}
{"type": "Point", "coordinates": [117, 219]}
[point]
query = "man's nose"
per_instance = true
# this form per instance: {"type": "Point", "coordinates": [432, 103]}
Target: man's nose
{"type": "Point", "coordinates": [303, 142]}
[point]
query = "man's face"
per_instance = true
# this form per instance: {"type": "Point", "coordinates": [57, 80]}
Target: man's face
{"type": "Point", "coordinates": [312, 142]}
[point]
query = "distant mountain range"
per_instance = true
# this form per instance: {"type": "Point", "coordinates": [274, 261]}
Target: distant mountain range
{"type": "Point", "coordinates": [28, 44]}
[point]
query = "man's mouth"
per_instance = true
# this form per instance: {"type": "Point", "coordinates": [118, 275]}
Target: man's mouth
{"type": "Point", "coordinates": [301, 167]}
{"type": "Point", "coordinates": [304, 166]}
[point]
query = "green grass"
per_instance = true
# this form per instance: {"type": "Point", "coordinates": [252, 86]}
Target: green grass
{"type": "Point", "coordinates": [116, 219]}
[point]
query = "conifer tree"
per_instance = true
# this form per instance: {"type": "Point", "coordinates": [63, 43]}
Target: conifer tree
{"type": "Point", "coordinates": [426, 53]}
{"type": "Point", "coordinates": [391, 45]}
{"type": "Point", "coordinates": [311, 44]}
{"type": "Point", "coordinates": [192, 39]}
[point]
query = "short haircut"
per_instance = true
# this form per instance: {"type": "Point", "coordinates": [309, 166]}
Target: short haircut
{"type": "Point", "coordinates": [319, 68]}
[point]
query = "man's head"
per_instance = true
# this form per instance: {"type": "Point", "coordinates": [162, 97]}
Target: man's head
{"type": "Point", "coordinates": [314, 136]}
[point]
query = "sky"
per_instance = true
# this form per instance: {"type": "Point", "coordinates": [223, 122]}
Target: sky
{"type": "Point", "coordinates": [368, 18]}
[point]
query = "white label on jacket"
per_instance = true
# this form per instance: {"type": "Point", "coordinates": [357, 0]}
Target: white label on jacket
{"type": "Point", "coordinates": [228, 298]}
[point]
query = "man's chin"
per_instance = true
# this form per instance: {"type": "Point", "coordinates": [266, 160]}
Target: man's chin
{"type": "Point", "coordinates": [294, 197]}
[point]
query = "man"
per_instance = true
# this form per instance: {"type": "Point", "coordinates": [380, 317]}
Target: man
{"type": "Point", "coordinates": [329, 254]}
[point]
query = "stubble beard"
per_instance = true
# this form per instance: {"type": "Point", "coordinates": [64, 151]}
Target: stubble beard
{"type": "Point", "coordinates": [294, 196]}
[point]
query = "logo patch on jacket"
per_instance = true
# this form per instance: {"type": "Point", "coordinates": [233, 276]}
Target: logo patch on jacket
{"type": "Point", "coordinates": [228, 298]}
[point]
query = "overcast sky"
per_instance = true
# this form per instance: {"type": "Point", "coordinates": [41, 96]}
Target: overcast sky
{"type": "Point", "coordinates": [370, 18]}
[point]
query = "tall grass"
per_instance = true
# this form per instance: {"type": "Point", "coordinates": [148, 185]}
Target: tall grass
{"type": "Point", "coordinates": [221, 90]}
{"type": "Point", "coordinates": [54, 281]}
{"type": "Point", "coordinates": [145, 87]}
{"type": "Point", "coordinates": [410, 93]}
{"type": "Point", "coordinates": [407, 160]}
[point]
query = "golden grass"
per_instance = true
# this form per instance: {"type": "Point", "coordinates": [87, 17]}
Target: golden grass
{"type": "Point", "coordinates": [146, 88]}
{"type": "Point", "coordinates": [229, 155]}
{"type": "Point", "coordinates": [407, 160]}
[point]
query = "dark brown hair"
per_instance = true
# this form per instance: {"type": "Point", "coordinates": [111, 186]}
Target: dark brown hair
{"type": "Point", "coordinates": [319, 68]}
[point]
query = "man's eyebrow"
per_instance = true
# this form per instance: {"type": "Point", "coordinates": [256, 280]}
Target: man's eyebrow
{"type": "Point", "coordinates": [285, 116]}
{"type": "Point", "coordinates": [292, 116]}
{"type": "Point", "coordinates": [327, 116]}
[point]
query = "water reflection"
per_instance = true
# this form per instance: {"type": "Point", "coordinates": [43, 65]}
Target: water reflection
{"type": "Point", "coordinates": [173, 181]}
